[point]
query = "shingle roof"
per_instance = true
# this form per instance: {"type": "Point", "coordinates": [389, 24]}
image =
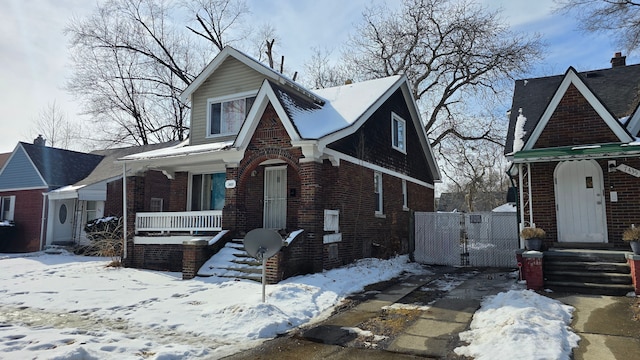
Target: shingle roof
{"type": "Point", "coordinates": [618, 88]}
{"type": "Point", "coordinates": [60, 167]}
{"type": "Point", "coordinates": [3, 158]}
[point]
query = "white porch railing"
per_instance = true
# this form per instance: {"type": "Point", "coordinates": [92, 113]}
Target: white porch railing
{"type": "Point", "coordinates": [186, 221]}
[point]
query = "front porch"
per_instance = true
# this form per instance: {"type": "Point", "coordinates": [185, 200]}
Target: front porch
{"type": "Point", "coordinates": [176, 227]}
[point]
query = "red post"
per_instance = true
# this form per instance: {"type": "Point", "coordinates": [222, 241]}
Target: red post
{"type": "Point", "coordinates": [634, 264]}
{"type": "Point", "coordinates": [532, 265]}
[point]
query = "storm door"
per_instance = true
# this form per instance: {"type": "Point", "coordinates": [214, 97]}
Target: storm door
{"type": "Point", "coordinates": [275, 197]}
{"type": "Point", "coordinates": [580, 207]}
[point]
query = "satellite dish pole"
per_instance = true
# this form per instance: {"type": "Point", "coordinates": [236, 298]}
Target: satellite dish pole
{"type": "Point", "coordinates": [262, 244]}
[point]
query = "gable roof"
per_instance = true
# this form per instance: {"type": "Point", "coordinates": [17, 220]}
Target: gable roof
{"type": "Point", "coordinates": [304, 119]}
{"type": "Point", "coordinates": [60, 167]}
{"type": "Point", "coordinates": [612, 91]}
{"type": "Point", "coordinates": [37, 166]}
{"type": "Point", "coordinates": [312, 118]}
{"type": "Point", "coordinates": [252, 63]}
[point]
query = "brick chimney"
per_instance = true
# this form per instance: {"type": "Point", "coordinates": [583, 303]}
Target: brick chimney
{"type": "Point", "coordinates": [40, 141]}
{"type": "Point", "coordinates": [618, 60]}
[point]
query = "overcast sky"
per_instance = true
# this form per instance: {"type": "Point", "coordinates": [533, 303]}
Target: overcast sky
{"type": "Point", "coordinates": [34, 64]}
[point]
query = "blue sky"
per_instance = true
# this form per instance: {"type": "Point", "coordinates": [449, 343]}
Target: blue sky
{"type": "Point", "coordinates": [34, 52]}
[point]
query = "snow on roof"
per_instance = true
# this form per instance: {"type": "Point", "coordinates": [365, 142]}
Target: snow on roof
{"type": "Point", "coordinates": [344, 105]}
{"type": "Point", "coordinates": [518, 140]}
{"type": "Point", "coordinates": [505, 208]}
{"type": "Point", "coordinates": [181, 149]}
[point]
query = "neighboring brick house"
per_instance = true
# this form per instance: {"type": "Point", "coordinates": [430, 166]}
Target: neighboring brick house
{"type": "Point", "coordinates": [346, 165]}
{"type": "Point", "coordinates": [89, 198]}
{"type": "Point", "coordinates": [576, 159]}
{"type": "Point", "coordinates": [28, 174]}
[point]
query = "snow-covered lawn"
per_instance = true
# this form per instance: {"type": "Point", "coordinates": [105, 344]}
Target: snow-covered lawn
{"type": "Point", "coordinates": [73, 307]}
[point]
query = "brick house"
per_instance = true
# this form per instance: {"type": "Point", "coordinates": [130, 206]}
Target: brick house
{"type": "Point", "coordinates": [346, 165]}
{"type": "Point", "coordinates": [31, 171]}
{"type": "Point", "coordinates": [576, 160]}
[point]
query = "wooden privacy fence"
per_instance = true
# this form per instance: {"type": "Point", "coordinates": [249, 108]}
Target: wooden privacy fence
{"type": "Point", "coordinates": [474, 239]}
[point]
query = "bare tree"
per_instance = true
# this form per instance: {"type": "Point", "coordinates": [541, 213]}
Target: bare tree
{"type": "Point", "coordinates": [451, 51]}
{"type": "Point", "coordinates": [478, 172]}
{"type": "Point", "coordinates": [215, 19]}
{"type": "Point", "coordinates": [322, 72]}
{"type": "Point", "coordinates": [619, 18]}
{"type": "Point", "coordinates": [53, 125]}
{"type": "Point", "coordinates": [133, 58]}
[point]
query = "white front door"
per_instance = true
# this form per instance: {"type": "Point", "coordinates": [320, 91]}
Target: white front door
{"type": "Point", "coordinates": [275, 197]}
{"type": "Point", "coordinates": [580, 206]}
{"type": "Point", "coordinates": [63, 220]}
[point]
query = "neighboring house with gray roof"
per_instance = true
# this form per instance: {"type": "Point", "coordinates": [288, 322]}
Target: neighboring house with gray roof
{"type": "Point", "coordinates": [90, 198]}
{"type": "Point", "coordinates": [345, 165]}
{"type": "Point", "coordinates": [572, 139]}
{"type": "Point", "coordinates": [31, 171]}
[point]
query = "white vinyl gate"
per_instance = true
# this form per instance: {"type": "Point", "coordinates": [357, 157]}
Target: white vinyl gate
{"type": "Point", "coordinates": [476, 239]}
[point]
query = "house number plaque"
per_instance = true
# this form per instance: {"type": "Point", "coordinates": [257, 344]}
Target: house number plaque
{"type": "Point", "coordinates": [230, 184]}
{"type": "Point", "coordinates": [629, 170]}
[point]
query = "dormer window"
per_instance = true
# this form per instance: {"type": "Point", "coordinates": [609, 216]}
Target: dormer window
{"type": "Point", "coordinates": [227, 115]}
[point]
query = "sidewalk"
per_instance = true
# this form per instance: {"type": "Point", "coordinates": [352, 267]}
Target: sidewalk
{"type": "Point", "coordinates": [604, 324]}
{"type": "Point", "coordinates": [433, 334]}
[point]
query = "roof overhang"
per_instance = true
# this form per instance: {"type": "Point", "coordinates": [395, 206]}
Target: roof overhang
{"type": "Point", "coordinates": [602, 151]}
{"type": "Point", "coordinates": [184, 158]}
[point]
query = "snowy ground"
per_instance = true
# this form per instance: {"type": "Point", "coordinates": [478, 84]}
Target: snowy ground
{"type": "Point", "coordinates": [71, 307]}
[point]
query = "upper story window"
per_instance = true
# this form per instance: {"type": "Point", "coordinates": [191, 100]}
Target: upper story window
{"type": "Point", "coordinates": [398, 133]}
{"type": "Point", "coordinates": [225, 117]}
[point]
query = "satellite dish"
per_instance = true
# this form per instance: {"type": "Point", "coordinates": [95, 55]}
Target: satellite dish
{"type": "Point", "coordinates": [262, 243]}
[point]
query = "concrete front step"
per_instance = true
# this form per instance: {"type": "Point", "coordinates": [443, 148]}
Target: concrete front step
{"type": "Point", "coordinates": [590, 277]}
{"type": "Point", "coordinates": [583, 266]}
{"type": "Point", "coordinates": [585, 255]}
{"type": "Point", "coordinates": [603, 272]}
{"type": "Point", "coordinates": [589, 288]}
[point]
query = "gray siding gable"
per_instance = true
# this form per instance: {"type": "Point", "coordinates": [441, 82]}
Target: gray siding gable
{"type": "Point", "coordinates": [232, 77]}
{"type": "Point", "coordinates": [20, 173]}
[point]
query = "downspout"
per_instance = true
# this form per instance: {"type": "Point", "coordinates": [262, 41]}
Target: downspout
{"type": "Point", "coordinates": [521, 202]}
{"type": "Point", "coordinates": [44, 204]}
{"type": "Point", "coordinates": [124, 210]}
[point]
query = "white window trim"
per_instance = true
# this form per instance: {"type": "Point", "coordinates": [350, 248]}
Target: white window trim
{"type": "Point", "coordinates": [405, 196]}
{"type": "Point", "coordinates": [12, 207]}
{"type": "Point", "coordinates": [190, 185]}
{"type": "Point", "coordinates": [396, 118]}
{"type": "Point", "coordinates": [332, 223]}
{"type": "Point", "coordinates": [220, 99]}
{"type": "Point", "coordinates": [379, 213]}
{"type": "Point", "coordinates": [160, 200]}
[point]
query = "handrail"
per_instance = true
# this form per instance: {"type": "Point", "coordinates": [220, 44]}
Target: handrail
{"type": "Point", "coordinates": [191, 221]}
